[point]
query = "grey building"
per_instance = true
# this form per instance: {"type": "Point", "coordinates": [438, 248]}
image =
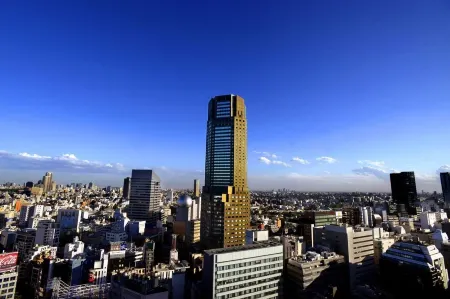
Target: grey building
{"type": "Point", "coordinates": [248, 271]}
{"type": "Point", "coordinates": [355, 244]}
{"type": "Point", "coordinates": [145, 194]}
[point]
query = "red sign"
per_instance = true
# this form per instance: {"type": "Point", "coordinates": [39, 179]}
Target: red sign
{"type": "Point", "coordinates": [8, 261]}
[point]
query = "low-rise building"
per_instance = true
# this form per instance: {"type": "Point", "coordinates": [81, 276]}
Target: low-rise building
{"type": "Point", "coordinates": [314, 272]}
{"type": "Point", "coordinates": [247, 271]}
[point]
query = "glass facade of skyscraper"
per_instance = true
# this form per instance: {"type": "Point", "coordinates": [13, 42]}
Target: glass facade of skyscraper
{"type": "Point", "coordinates": [225, 197]}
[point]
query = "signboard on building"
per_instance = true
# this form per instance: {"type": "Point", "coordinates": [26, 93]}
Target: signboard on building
{"type": "Point", "coordinates": [8, 261]}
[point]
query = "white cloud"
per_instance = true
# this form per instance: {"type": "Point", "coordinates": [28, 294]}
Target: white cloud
{"type": "Point", "coordinates": [33, 156]}
{"type": "Point", "coordinates": [300, 160]}
{"type": "Point", "coordinates": [267, 155]}
{"type": "Point", "coordinates": [68, 157]}
{"type": "Point", "coordinates": [372, 171]}
{"type": "Point", "coordinates": [267, 161]}
{"type": "Point", "coordinates": [443, 168]}
{"type": "Point", "coordinates": [372, 163]}
{"type": "Point", "coordinates": [26, 160]}
{"type": "Point", "coordinates": [328, 160]}
{"type": "Point", "coordinates": [277, 162]}
{"type": "Point", "coordinates": [264, 160]}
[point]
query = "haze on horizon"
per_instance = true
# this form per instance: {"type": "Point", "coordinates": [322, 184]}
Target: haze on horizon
{"type": "Point", "coordinates": [338, 94]}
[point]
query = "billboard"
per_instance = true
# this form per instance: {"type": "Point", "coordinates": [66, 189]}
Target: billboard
{"type": "Point", "coordinates": [8, 261]}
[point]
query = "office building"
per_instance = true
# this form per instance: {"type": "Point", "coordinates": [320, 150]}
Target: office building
{"type": "Point", "coordinates": [419, 267]}
{"type": "Point", "coordinates": [355, 244]}
{"type": "Point", "coordinates": [187, 222]}
{"type": "Point", "coordinates": [445, 183]}
{"type": "Point", "coordinates": [145, 194]}
{"type": "Point", "coordinates": [29, 211]}
{"type": "Point", "coordinates": [47, 233]}
{"type": "Point", "coordinates": [248, 271]}
{"type": "Point", "coordinates": [404, 192]}
{"type": "Point", "coordinates": [351, 216]}
{"type": "Point", "coordinates": [313, 273]}
{"type": "Point", "coordinates": [310, 219]}
{"type": "Point", "coordinates": [256, 235]}
{"type": "Point", "coordinates": [69, 219]}
{"type": "Point", "coordinates": [25, 241]}
{"type": "Point", "coordinates": [196, 188]}
{"type": "Point", "coordinates": [381, 245]}
{"type": "Point", "coordinates": [47, 181]}
{"type": "Point", "coordinates": [29, 185]}
{"type": "Point", "coordinates": [225, 196]}
{"type": "Point", "coordinates": [126, 188]}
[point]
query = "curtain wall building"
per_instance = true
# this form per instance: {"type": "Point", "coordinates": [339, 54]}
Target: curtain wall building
{"type": "Point", "coordinates": [225, 197]}
{"type": "Point", "coordinates": [404, 192]}
{"type": "Point", "coordinates": [445, 182]}
{"type": "Point", "coordinates": [145, 194]}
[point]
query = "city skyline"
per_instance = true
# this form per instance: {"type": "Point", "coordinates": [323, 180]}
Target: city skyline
{"type": "Point", "coordinates": [354, 99]}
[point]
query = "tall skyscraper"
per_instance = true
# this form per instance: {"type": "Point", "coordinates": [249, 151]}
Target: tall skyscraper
{"type": "Point", "coordinates": [445, 183]}
{"type": "Point", "coordinates": [47, 181]}
{"type": "Point", "coordinates": [225, 197]}
{"type": "Point", "coordinates": [126, 187]}
{"type": "Point", "coordinates": [145, 194]}
{"type": "Point", "coordinates": [404, 192]}
{"type": "Point", "coordinates": [197, 188]}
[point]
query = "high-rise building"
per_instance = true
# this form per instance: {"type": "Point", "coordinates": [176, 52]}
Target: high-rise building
{"type": "Point", "coordinates": [225, 196]}
{"type": "Point", "coordinates": [29, 185]}
{"type": "Point", "coordinates": [47, 181]}
{"type": "Point", "coordinates": [145, 194]}
{"type": "Point", "coordinates": [196, 188]}
{"type": "Point", "coordinates": [126, 187]}
{"type": "Point", "coordinates": [404, 192]}
{"type": "Point", "coordinates": [445, 183]}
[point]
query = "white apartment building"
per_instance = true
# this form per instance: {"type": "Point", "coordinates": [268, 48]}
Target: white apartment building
{"type": "Point", "coordinates": [8, 281]}
{"type": "Point", "coordinates": [97, 275]}
{"type": "Point", "coordinates": [249, 271]}
{"type": "Point", "coordinates": [28, 211]}
{"type": "Point", "coordinates": [73, 249]}
{"type": "Point", "coordinates": [47, 233]}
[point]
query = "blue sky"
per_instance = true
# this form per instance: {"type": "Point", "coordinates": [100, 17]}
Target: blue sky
{"type": "Point", "coordinates": [129, 82]}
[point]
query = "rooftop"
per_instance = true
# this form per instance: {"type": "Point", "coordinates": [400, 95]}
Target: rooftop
{"type": "Point", "coordinates": [256, 245]}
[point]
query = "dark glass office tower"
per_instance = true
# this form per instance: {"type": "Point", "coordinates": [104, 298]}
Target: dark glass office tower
{"type": "Point", "coordinates": [225, 197]}
{"type": "Point", "coordinates": [126, 188]}
{"type": "Point", "coordinates": [145, 195]}
{"type": "Point", "coordinates": [445, 183]}
{"type": "Point", "coordinates": [404, 192]}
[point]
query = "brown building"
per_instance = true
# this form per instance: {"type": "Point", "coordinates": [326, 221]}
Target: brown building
{"type": "Point", "coordinates": [225, 197]}
{"type": "Point", "coordinates": [47, 181]}
{"type": "Point", "coordinates": [351, 216]}
{"type": "Point", "coordinates": [196, 188]}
